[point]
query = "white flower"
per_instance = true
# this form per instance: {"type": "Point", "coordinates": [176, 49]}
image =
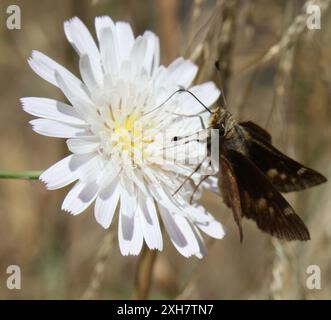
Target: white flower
{"type": "Point", "coordinates": [122, 82]}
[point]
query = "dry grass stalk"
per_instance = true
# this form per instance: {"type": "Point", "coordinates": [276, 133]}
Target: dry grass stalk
{"type": "Point", "coordinates": [144, 273]}
{"type": "Point", "coordinates": [294, 31]}
{"type": "Point", "coordinates": [289, 38]}
{"type": "Point", "coordinates": [189, 291]}
{"type": "Point", "coordinates": [99, 268]}
{"type": "Point", "coordinates": [218, 44]}
{"type": "Point", "coordinates": [279, 269]}
{"type": "Point", "coordinates": [167, 10]}
{"type": "Point", "coordinates": [282, 84]}
{"type": "Point", "coordinates": [190, 285]}
{"type": "Point", "coordinates": [283, 77]}
{"type": "Point", "coordinates": [196, 10]}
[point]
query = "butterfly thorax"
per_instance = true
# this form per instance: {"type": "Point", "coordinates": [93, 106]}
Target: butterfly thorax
{"type": "Point", "coordinates": [232, 136]}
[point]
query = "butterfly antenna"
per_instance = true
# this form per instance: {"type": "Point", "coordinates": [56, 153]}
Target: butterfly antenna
{"type": "Point", "coordinates": [195, 97]}
{"type": "Point", "coordinates": [173, 94]}
{"type": "Point", "coordinates": [217, 66]}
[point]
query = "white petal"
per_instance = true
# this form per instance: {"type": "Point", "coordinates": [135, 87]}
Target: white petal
{"type": "Point", "coordinates": [102, 23]}
{"type": "Point", "coordinates": [81, 146]}
{"type": "Point", "coordinates": [46, 67]}
{"type": "Point", "coordinates": [92, 171]}
{"type": "Point", "coordinates": [106, 204]}
{"type": "Point", "coordinates": [130, 236]}
{"type": "Point", "coordinates": [180, 233]}
{"type": "Point", "coordinates": [211, 183]}
{"type": "Point", "coordinates": [137, 177]}
{"type": "Point", "coordinates": [126, 73]}
{"type": "Point", "coordinates": [59, 175]}
{"type": "Point", "coordinates": [159, 76]}
{"type": "Point", "coordinates": [205, 221]}
{"type": "Point", "coordinates": [81, 40]}
{"type": "Point", "coordinates": [207, 92]}
{"type": "Point", "coordinates": [108, 42]}
{"type": "Point", "coordinates": [80, 197]}
{"type": "Point", "coordinates": [125, 39]}
{"type": "Point", "coordinates": [87, 73]}
{"type": "Point", "coordinates": [110, 173]}
{"type": "Point", "coordinates": [77, 97]}
{"type": "Point", "coordinates": [202, 247]}
{"type": "Point", "coordinates": [149, 222]}
{"type": "Point", "coordinates": [52, 128]}
{"type": "Point", "coordinates": [161, 194]}
{"type": "Point", "coordinates": [109, 51]}
{"type": "Point", "coordinates": [67, 170]}
{"type": "Point", "coordinates": [51, 109]}
{"type": "Point", "coordinates": [138, 54]}
{"type": "Point", "coordinates": [152, 59]}
{"type": "Point", "coordinates": [128, 196]}
{"type": "Point", "coordinates": [213, 228]}
{"type": "Point", "coordinates": [181, 72]}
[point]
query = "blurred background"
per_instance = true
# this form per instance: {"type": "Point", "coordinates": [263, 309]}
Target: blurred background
{"type": "Point", "coordinates": [274, 71]}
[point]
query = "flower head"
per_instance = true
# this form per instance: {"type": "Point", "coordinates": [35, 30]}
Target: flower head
{"type": "Point", "coordinates": [116, 138]}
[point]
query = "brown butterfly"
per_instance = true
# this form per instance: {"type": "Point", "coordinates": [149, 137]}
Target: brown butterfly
{"type": "Point", "coordinates": [252, 175]}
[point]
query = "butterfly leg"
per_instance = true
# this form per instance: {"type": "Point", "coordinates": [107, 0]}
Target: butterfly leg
{"type": "Point", "coordinates": [197, 168]}
{"type": "Point", "coordinates": [178, 138]}
{"type": "Point", "coordinates": [203, 126]}
{"type": "Point", "coordinates": [197, 187]}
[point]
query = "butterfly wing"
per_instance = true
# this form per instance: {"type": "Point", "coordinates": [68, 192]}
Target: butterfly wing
{"type": "Point", "coordinates": [284, 173]}
{"type": "Point", "coordinates": [256, 131]}
{"type": "Point", "coordinates": [261, 202]}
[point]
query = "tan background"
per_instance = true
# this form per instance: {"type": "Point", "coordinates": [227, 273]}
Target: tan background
{"type": "Point", "coordinates": [57, 252]}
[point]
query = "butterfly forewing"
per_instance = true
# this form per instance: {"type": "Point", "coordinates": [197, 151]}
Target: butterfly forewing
{"type": "Point", "coordinates": [256, 131]}
{"type": "Point", "coordinates": [284, 173]}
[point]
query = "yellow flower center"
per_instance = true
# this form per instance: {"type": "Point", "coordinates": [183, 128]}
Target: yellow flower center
{"type": "Point", "coordinates": [131, 136]}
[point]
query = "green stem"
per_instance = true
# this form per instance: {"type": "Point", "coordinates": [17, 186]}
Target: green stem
{"type": "Point", "coordinates": [28, 175]}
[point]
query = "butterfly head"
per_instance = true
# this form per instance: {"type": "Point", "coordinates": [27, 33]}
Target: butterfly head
{"type": "Point", "coordinates": [223, 121]}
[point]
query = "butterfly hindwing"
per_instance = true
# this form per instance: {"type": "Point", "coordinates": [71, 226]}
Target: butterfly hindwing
{"type": "Point", "coordinates": [284, 173]}
{"type": "Point", "coordinates": [261, 202]}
